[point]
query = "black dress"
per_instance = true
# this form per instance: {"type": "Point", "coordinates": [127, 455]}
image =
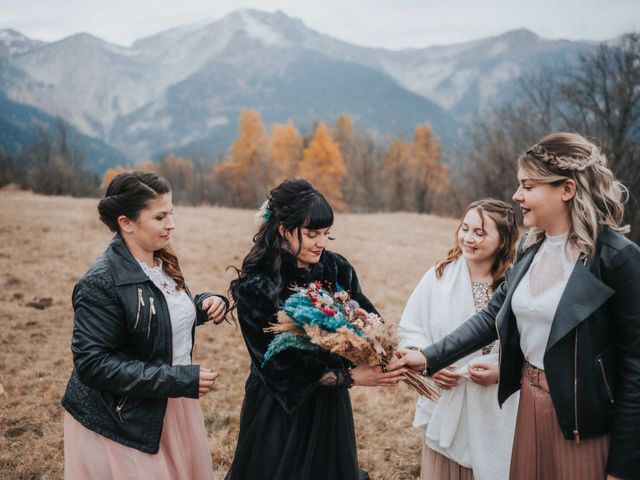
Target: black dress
{"type": "Point", "coordinates": [291, 425]}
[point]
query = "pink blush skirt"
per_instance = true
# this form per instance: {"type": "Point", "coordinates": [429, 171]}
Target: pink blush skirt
{"type": "Point", "coordinates": [540, 451]}
{"type": "Point", "coordinates": [436, 466]}
{"type": "Point", "coordinates": [184, 450]}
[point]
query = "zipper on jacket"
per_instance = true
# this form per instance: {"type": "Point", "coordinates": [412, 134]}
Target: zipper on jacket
{"type": "Point", "coordinates": [576, 432]}
{"type": "Point", "coordinates": [604, 376]}
{"type": "Point", "coordinates": [152, 312]}
{"type": "Point", "coordinates": [495, 322]}
{"type": "Point", "coordinates": [140, 304]}
{"type": "Point", "coordinates": [120, 406]}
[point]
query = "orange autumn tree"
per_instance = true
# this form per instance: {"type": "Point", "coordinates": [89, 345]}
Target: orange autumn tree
{"type": "Point", "coordinates": [322, 165]}
{"type": "Point", "coordinates": [110, 174]}
{"type": "Point", "coordinates": [243, 174]}
{"type": "Point", "coordinates": [363, 160]}
{"type": "Point", "coordinates": [117, 170]}
{"type": "Point", "coordinates": [432, 178]}
{"type": "Point", "coordinates": [186, 184]}
{"type": "Point", "coordinates": [413, 174]}
{"type": "Point", "coordinates": [286, 153]}
{"type": "Point", "coordinates": [397, 176]}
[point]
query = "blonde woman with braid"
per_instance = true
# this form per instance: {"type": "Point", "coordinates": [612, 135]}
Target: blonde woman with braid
{"type": "Point", "coordinates": [568, 321]}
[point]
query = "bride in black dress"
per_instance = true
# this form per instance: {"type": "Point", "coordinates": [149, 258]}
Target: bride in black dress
{"type": "Point", "coordinates": [296, 420]}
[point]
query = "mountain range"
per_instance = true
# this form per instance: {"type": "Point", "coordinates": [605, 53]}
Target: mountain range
{"type": "Point", "coordinates": [183, 90]}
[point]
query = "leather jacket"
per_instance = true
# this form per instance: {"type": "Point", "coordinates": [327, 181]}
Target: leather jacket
{"type": "Point", "coordinates": [122, 352]}
{"type": "Point", "coordinates": [592, 357]}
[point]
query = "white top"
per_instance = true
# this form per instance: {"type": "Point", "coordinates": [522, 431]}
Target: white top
{"type": "Point", "coordinates": [467, 424]}
{"type": "Point", "coordinates": [536, 298]}
{"type": "Point", "coordinates": [182, 312]}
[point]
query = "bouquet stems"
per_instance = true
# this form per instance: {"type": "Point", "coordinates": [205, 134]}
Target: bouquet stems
{"type": "Point", "coordinates": [424, 386]}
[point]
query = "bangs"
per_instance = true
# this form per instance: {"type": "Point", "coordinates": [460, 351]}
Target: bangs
{"type": "Point", "coordinates": [320, 215]}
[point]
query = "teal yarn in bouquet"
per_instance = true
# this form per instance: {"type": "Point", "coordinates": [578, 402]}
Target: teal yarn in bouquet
{"type": "Point", "coordinates": [301, 309]}
{"type": "Point", "coordinates": [286, 340]}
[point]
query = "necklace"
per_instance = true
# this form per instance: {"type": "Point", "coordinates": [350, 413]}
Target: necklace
{"type": "Point", "coordinates": [160, 278]}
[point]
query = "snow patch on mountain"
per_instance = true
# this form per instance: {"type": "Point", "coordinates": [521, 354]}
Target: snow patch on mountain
{"type": "Point", "coordinates": [261, 31]}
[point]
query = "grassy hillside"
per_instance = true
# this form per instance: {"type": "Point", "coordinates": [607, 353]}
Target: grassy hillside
{"type": "Point", "coordinates": [46, 244]}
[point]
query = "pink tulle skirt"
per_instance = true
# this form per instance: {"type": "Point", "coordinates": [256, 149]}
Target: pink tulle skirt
{"type": "Point", "coordinates": [184, 450]}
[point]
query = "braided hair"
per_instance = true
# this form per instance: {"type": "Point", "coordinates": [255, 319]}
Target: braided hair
{"type": "Point", "coordinates": [128, 194]}
{"type": "Point", "coordinates": [599, 199]}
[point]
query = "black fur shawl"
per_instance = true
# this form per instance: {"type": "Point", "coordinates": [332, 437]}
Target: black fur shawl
{"type": "Point", "coordinates": [292, 375]}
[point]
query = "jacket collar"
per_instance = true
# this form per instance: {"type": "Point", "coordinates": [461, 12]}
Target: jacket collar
{"type": "Point", "coordinates": [582, 296]}
{"type": "Point", "coordinates": [124, 267]}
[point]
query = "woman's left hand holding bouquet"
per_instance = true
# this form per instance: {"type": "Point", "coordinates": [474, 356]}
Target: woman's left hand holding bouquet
{"type": "Point", "coordinates": [366, 376]}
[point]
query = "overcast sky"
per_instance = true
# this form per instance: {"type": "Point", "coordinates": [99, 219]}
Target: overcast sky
{"type": "Point", "coordinates": [384, 23]}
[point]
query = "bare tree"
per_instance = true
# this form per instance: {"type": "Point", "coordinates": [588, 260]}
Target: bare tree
{"type": "Point", "coordinates": [603, 96]}
{"type": "Point", "coordinates": [53, 165]}
{"type": "Point", "coordinates": [598, 97]}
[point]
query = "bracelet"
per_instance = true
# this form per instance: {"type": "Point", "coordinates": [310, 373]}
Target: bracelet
{"type": "Point", "coordinates": [349, 382]}
{"type": "Point", "coordinates": [424, 372]}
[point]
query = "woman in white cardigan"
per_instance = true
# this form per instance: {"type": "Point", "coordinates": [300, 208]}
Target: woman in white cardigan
{"type": "Point", "coordinates": [466, 434]}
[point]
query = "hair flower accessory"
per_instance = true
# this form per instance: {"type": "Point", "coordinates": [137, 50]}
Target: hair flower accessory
{"type": "Point", "coordinates": [264, 213]}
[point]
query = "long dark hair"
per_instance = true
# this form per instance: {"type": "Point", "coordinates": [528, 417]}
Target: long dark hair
{"type": "Point", "coordinates": [501, 213]}
{"type": "Point", "coordinates": [294, 204]}
{"type": "Point", "coordinates": [128, 194]}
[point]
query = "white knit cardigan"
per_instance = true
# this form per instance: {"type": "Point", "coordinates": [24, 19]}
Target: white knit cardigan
{"type": "Point", "coordinates": [467, 424]}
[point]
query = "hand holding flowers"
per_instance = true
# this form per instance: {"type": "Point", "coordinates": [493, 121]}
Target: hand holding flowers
{"type": "Point", "coordinates": [316, 318]}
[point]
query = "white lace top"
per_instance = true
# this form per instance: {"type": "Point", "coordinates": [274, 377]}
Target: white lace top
{"type": "Point", "coordinates": [182, 312]}
{"type": "Point", "coordinates": [537, 296]}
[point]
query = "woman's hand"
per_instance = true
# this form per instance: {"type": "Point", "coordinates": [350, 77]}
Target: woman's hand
{"type": "Point", "coordinates": [207, 379]}
{"type": "Point", "coordinates": [412, 359]}
{"type": "Point", "coordinates": [366, 376]}
{"type": "Point", "coordinates": [484, 373]}
{"type": "Point", "coordinates": [216, 309]}
{"type": "Point", "coordinates": [447, 378]}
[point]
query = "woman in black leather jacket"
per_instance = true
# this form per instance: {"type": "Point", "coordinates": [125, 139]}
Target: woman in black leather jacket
{"type": "Point", "coordinates": [133, 390]}
{"type": "Point", "coordinates": [568, 320]}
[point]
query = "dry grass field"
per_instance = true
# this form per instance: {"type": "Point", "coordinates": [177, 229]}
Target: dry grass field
{"type": "Point", "coordinates": [47, 243]}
